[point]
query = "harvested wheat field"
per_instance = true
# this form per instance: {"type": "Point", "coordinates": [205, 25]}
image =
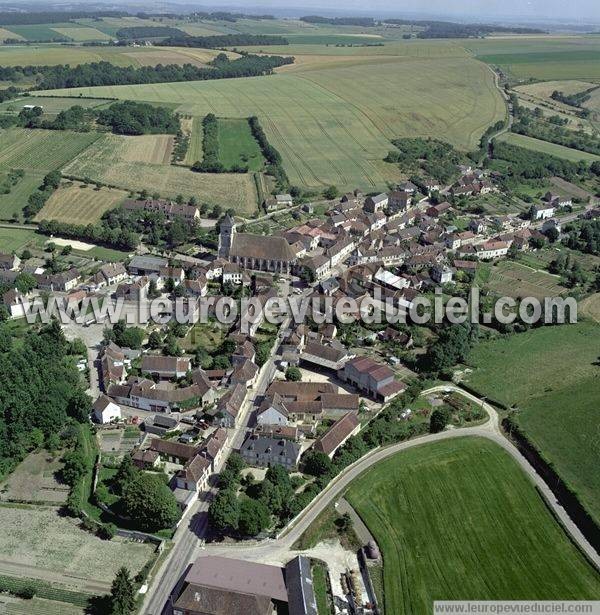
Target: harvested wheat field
{"type": "Point", "coordinates": [109, 161]}
{"type": "Point", "coordinates": [78, 203]}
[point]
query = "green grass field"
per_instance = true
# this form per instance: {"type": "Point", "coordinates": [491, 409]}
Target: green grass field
{"type": "Point", "coordinates": [194, 152]}
{"type": "Point", "coordinates": [550, 375]}
{"type": "Point", "coordinates": [14, 240]}
{"type": "Point", "coordinates": [334, 125]}
{"type": "Point", "coordinates": [41, 151]}
{"type": "Point", "coordinates": [14, 202]}
{"type": "Point", "coordinates": [51, 105]}
{"type": "Point", "coordinates": [459, 520]}
{"type": "Point", "coordinates": [545, 147]}
{"type": "Point", "coordinates": [237, 146]}
{"type": "Point", "coordinates": [541, 58]}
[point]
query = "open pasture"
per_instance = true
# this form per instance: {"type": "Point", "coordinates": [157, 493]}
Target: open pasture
{"type": "Point", "coordinates": [80, 204]}
{"type": "Point", "coordinates": [542, 58]}
{"type": "Point", "coordinates": [444, 516]}
{"type": "Point", "coordinates": [14, 202]}
{"type": "Point", "coordinates": [14, 240]}
{"type": "Point", "coordinates": [537, 145]}
{"type": "Point", "coordinates": [329, 126]}
{"type": "Point", "coordinates": [510, 279]}
{"type": "Point", "coordinates": [237, 146]}
{"type": "Point", "coordinates": [551, 375]}
{"type": "Point", "coordinates": [107, 161]}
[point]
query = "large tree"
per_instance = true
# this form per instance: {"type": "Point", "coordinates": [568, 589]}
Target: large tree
{"type": "Point", "coordinates": [149, 501]}
{"type": "Point", "coordinates": [254, 517]}
{"type": "Point", "coordinates": [224, 511]}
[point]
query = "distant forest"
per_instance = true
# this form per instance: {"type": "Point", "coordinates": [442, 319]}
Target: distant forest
{"type": "Point", "coordinates": [362, 22]}
{"type": "Point", "coordinates": [139, 32]}
{"type": "Point", "coordinates": [225, 40]}
{"type": "Point", "coordinates": [23, 19]}
{"type": "Point", "coordinates": [447, 29]}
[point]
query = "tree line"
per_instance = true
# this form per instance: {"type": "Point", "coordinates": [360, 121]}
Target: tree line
{"type": "Point", "coordinates": [533, 123]}
{"type": "Point", "coordinates": [362, 22]}
{"type": "Point", "coordinates": [271, 154]}
{"type": "Point", "coordinates": [225, 40]}
{"type": "Point", "coordinates": [447, 29]}
{"type": "Point", "coordinates": [105, 73]}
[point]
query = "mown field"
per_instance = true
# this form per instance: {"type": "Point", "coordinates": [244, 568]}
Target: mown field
{"type": "Point", "coordinates": [196, 132]}
{"type": "Point", "coordinates": [124, 162]}
{"type": "Point", "coordinates": [80, 204]}
{"type": "Point", "coordinates": [551, 375]}
{"type": "Point", "coordinates": [545, 147]}
{"type": "Point", "coordinates": [41, 150]}
{"type": "Point", "coordinates": [237, 146]}
{"type": "Point", "coordinates": [333, 126]}
{"type": "Point", "coordinates": [459, 520]}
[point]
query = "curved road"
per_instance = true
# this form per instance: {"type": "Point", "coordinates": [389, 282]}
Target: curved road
{"type": "Point", "coordinates": [279, 550]}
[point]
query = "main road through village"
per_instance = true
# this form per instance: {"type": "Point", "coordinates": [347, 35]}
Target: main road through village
{"type": "Point", "coordinates": [189, 542]}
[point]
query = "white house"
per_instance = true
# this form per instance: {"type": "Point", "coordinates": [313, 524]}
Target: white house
{"type": "Point", "coordinates": [113, 273]}
{"type": "Point", "coordinates": [284, 200]}
{"type": "Point", "coordinates": [105, 410]}
{"type": "Point", "coordinates": [543, 212]}
{"type": "Point", "coordinates": [272, 412]}
{"type": "Point", "coordinates": [492, 249]}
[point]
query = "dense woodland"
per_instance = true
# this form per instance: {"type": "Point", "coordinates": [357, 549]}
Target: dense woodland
{"type": "Point", "coordinates": [41, 389]}
{"type": "Point", "coordinates": [131, 118]}
{"type": "Point", "coordinates": [435, 159]}
{"type": "Point", "coordinates": [522, 164]}
{"type": "Point", "coordinates": [143, 32]}
{"type": "Point", "coordinates": [585, 237]}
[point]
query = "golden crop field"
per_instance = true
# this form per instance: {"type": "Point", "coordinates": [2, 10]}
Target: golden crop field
{"type": "Point", "coordinates": [334, 125]}
{"type": "Point", "coordinates": [77, 203]}
{"type": "Point", "coordinates": [107, 161]}
{"type": "Point", "coordinates": [155, 149]}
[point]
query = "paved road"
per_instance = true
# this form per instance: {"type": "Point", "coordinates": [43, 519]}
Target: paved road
{"type": "Point", "coordinates": [187, 539]}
